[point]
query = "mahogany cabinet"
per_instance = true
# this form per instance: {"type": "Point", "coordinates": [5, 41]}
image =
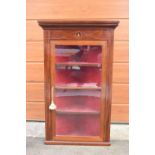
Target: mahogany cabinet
{"type": "Point", "coordinates": [78, 78]}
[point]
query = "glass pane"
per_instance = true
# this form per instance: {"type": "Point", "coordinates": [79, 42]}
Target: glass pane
{"type": "Point", "coordinates": [78, 100]}
{"type": "Point", "coordinates": [77, 125]}
{"type": "Point", "coordinates": [78, 75]}
{"type": "Point", "coordinates": [77, 94]}
{"type": "Point", "coordinates": [75, 53]}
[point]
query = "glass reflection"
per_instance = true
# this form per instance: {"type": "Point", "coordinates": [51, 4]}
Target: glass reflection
{"type": "Point", "coordinates": [74, 53]}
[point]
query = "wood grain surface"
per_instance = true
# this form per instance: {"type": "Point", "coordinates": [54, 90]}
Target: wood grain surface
{"type": "Point", "coordinates": [60, 9]}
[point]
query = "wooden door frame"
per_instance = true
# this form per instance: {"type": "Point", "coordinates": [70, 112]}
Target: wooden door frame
{"type": "Point", "coordinates": [52, 115]}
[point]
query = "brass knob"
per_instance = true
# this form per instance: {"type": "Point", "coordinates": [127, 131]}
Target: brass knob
{"type": "Point", "coordinates": [78, 34]}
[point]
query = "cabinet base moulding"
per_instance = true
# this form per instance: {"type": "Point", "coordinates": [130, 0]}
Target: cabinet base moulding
{"type": "Point", "coordinates": [77, 143]}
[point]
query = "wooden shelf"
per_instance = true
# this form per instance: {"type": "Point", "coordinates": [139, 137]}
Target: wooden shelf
{"type": "Point", "coordinates": [79, 64]}
{"type": "Point", "coordinates": [78, 87]}
{"type": "Point", "coordinates": [78, 112]}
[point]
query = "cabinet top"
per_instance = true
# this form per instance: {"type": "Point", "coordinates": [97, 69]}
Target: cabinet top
{"type": "Point", "coordinates": [77, 23]}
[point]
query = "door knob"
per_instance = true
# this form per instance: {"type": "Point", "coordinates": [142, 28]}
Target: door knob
{"type": "Point", "coordinates": [52, 106]}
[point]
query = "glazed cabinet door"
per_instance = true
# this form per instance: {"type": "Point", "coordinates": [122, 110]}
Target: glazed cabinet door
{"type": "Point", "coordinates": [78, 86]}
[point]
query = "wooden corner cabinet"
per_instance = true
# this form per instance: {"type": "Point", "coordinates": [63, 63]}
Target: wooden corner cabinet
{"type": "Point", "coordinates": [78, 81]}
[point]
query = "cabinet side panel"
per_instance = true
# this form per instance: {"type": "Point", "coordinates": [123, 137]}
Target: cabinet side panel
{"type": "Point", "coordinates": [47, 78]}
{"type": "Point", "coordinates": [108, 86]}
